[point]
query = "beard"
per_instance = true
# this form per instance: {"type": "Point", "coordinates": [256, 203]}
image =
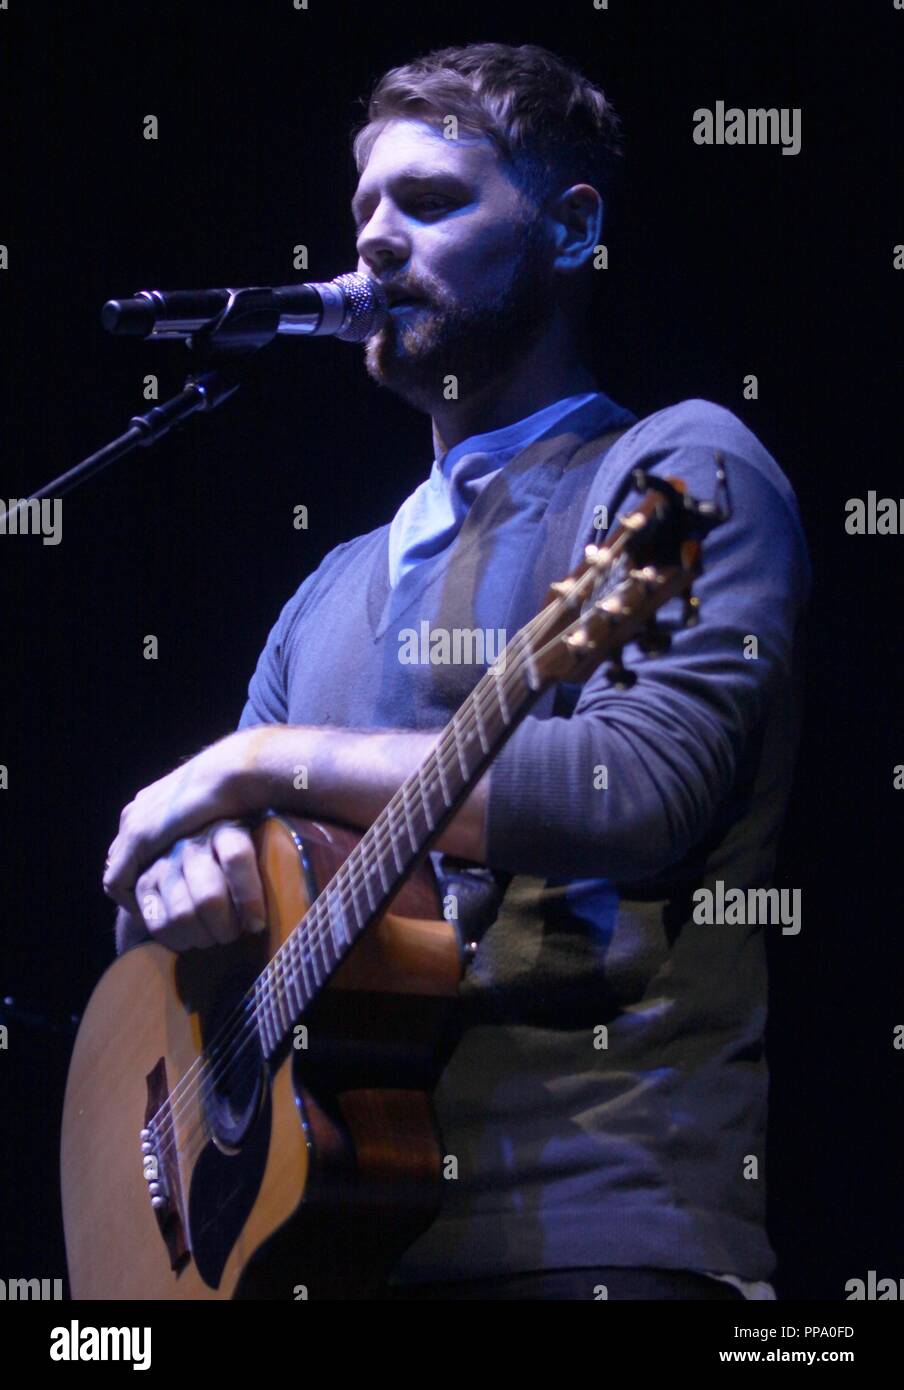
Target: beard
{"type": "Point", "coordinates": [475, 343]}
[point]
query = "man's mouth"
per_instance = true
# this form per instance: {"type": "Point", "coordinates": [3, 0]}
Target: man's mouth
{"type": "Point", "coordinates": [405, 302]}
{"type": "Point", "coordinates": [398, 297]}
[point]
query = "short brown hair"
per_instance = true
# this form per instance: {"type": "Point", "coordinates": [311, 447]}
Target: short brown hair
{"type": "Point", "coordinates": [552, 126]}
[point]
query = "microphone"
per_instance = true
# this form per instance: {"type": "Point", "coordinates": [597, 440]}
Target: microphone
{"type": "Point", "coordinates": [351, 307]}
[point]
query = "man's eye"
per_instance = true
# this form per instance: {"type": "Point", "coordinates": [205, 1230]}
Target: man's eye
{"type": "Point", "coordinates": [432, 202]}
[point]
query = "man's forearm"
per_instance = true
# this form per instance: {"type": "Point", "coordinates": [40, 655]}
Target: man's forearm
{"type": "Point", "coordinates": [350, 775]}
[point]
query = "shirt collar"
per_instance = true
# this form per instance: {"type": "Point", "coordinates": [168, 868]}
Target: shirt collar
{"type": "Point", "coordinates": [485, 449]}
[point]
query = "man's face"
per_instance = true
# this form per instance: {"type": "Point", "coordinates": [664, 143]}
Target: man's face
{"type": "Point", "coordinates": [442, 221]}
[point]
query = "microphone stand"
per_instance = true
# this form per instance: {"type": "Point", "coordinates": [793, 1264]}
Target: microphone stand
{"type": "Point", "coordinates": [224, 346]}
{"type": "Point", "coordinates": [242, 328]}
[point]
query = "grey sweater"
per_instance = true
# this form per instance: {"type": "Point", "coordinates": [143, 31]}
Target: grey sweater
{"type": "Point", "coordinates": [606, 1103]}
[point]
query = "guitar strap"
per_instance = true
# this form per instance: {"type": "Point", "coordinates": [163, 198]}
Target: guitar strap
{"type": "Point", "coordinates": [478, 891]}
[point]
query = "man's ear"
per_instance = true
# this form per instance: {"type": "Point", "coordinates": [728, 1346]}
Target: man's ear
{"type": "Point", "coordinates": [577, 220]}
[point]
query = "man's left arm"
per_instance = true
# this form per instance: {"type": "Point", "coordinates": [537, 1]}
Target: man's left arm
{"type": "Point", "coordinates": [349, 776]}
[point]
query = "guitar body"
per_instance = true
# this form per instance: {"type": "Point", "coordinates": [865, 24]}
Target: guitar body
{"type": "Point", "coordinates": [305, 1176]}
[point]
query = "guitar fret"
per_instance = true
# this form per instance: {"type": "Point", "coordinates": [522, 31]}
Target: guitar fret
{"type": "Point", "coordinates": [308, 943]}
{"type": "Point", "coordinates": [360, 911]}
{"type": "Point", "coordinates": [359, 918]}
{"type": "Point", "coordinates": [350, 893]}
{"type": "Point", "coordinates": [392, 839]}
{"type": "Point", "coordinates": [442, 779]}
{"type": "Point", "coordinates": [257, 1018]}
{"type": "Point", "coordinates": [383, 883]}
{"type": "Point", "coordinates": [365, 878]}
{"type": "Point", "coordinates": [262, 1013]}
{"type": "Point", "coordinates": [318, 941]}
{"type": "Point", "coordinates": [411, 835]}
{"type": "Point", "coordinates": [463, 765]}
{"type": "Point", "coordinates": [295, 997]}
{"type": "Point", "coordinates": [430, 819]}
{"type": "Point", "coordinates": [266, 1016]}
{"type": "Point", "coordinates": [500, 698]}
{"type": "Point", "coordinates": [323, 949]}
{"type": "Point", "coordinates": [295, 992]}
{"type": "Point", "coordinates": [274, 995]}
{"type": "Point", "coordinates": [480, 730]}
{"type": "Point", "coordinates": [336, 913]}
{"type": "Point", "coordinates": [283, 1014]}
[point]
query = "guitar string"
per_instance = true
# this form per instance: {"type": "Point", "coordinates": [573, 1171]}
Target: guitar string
{"type": "Point", "coordinates": [216, 1050]}
{"type": "Point", "coordinates": [304, 945]}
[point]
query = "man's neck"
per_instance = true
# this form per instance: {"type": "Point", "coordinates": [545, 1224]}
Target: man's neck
{"type": "Point", "coordinates": [548, 373]}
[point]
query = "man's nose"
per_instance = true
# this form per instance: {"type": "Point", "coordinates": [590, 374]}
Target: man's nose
{"type": "Point", "coordinates": [383, 242]}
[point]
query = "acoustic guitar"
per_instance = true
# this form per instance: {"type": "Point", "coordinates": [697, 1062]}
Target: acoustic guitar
{"type": "Point", "coordinates": [254, 1120]}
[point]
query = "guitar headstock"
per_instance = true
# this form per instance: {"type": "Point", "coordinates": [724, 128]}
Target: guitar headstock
{"type": "Point", "coordinates": [612, 597]}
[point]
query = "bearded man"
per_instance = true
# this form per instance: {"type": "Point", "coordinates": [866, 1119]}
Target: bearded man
{"type": "Point", "coordinates": [606, 1101]}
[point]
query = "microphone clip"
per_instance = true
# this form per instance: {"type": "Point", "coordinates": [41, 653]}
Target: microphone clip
{"type": "Point", "coordinates": [248, 322]}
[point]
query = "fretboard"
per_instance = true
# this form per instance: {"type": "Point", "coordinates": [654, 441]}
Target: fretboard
{"type": "Point", "coordinates": [395, 842]}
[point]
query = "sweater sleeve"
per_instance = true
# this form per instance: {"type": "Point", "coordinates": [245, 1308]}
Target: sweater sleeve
{"type": "Point", "coordinates": [267, 701]}
{"type": "Point", "coordinates": [268, 689]}
{"type": "Point", "coordinates": [672, 745]}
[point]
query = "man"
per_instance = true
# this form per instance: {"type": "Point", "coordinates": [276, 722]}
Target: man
{"type": "Point", "coordinates": [606, 1102]}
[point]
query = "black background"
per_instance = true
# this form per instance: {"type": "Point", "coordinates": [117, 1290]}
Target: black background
{"type": "Point", "coordinates": [723, 261]}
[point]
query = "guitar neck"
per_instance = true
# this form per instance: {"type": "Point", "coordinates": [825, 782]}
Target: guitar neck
{"type": "Point", "coordinates": [396, 841]}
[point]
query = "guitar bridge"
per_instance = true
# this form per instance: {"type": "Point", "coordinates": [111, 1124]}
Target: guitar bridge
{"type": "Point", "coordinates": [160, 1168]}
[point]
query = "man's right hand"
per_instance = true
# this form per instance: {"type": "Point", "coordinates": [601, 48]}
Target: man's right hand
{"type": "Point", "coordinates": [205, 891]}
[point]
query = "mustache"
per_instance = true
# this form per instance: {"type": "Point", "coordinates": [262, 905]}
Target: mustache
{"type": "Point", "coordinates": [405, 289]}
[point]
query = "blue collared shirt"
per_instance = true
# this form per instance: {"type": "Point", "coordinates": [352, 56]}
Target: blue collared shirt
{"type": "Point", "coordinates": [429, 520]}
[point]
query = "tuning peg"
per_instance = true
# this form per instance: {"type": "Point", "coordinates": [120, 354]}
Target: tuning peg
{"type": "Point", "coordinates": [619, 676]}
{"type": "Point", "coordinates": [565, 589]}
{"type": "Point", "coordinates": [654, 640]}
{"type": "Point", "coordinates": [597, 555]}
{"type": "Point", "coordinates": [691, 615]}
{"type": "Point", "coordinates": [579, 641]}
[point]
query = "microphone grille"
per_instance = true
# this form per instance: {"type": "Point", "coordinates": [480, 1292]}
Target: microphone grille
{"type": "Point", "coordinates": [366, 307]}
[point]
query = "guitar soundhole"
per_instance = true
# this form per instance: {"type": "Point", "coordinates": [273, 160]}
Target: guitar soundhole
{"type": "Point", "coordinates": [236, 1072]}
{"type": "Point", "coordinates": [229, 1170]}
